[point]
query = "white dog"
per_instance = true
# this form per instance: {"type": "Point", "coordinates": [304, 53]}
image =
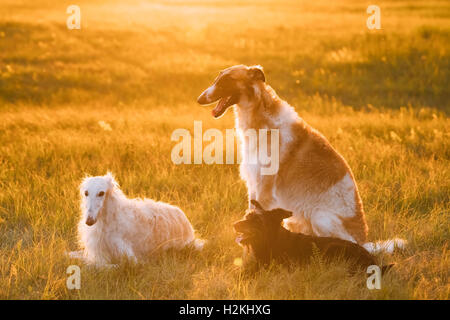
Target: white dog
{"type": "Point", "coordinates": [114, 227]}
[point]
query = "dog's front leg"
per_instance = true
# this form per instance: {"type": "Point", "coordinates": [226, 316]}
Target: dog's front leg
{"type": "Point", "coordinates": [251, 196]}
{"type": "Point", "coordinates": [81, 255]}
{"type": "Point", "coordinates": [264, 192]}
{"type": "Point", "coordinates": [127, 251]}
{"type": "Point", "coordinates": [260, 187]}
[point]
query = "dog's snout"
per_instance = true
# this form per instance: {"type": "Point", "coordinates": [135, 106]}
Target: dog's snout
{"type": "Point", "coordinates": [90, 221]}
{"type": "Point", "coordinates": [202, 98]}
{"type": "Point", "coordinates": [207, 96]}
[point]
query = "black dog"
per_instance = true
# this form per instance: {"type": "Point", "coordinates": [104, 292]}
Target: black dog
{"type": "Point", "coordinates": [261, 232]}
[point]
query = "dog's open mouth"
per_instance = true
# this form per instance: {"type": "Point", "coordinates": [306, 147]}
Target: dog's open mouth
{"type": "Point", "coordinates": [223, 104]}
{"type": "Point", "coordinates": [243, 238]}
{"type": "Point", "coordinates": [244, 232]}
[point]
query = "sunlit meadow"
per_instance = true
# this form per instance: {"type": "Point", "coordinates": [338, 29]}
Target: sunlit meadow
{"type": "Point", "coordinates": [108, 97]}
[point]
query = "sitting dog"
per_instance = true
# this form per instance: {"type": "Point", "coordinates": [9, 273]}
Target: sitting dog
{"type": "Point", "coordinates": [260, 231]}
{"type": "Point", "coordinates": [113, 227]}
{"type": "Point", "coordinates": [311, 178]}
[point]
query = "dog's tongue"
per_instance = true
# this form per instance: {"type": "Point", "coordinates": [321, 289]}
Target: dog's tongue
{"type": "Point", "coordinates": [221, 107]}
{"type": "Point", "coordinates": [239, 238]}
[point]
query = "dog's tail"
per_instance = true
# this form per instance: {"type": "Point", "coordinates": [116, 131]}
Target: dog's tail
{"type": "Point", "coordinates": [386, 246]}
{"type": "Point", "coordinates": [198, 244]}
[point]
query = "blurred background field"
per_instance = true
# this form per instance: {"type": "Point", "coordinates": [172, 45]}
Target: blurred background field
{"type": "Point", "coordinates": [380, 96]}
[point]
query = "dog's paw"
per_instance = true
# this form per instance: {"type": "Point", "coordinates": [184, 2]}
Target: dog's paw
{"type": "Point", "coordinates": [198, 244]}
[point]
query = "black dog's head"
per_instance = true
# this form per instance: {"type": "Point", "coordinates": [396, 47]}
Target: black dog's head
{"type": "Point", "coordinates": [259, 226]}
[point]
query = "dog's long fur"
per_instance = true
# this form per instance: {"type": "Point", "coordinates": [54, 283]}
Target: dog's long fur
{"type": "Point", "coordinates": [113, 227]}
{"type": "Point", "coordinates": [261, 232]}
{"type": "Point", "coordinates": [313, 181]}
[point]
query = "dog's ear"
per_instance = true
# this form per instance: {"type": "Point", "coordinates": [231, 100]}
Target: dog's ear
{"type": "Point", "coordinates": [111, 181]}
{"type": "Point", "coordinates": [257, 73]}
{"type": "Point", "coordinates": [256, 204]}
{"type": "Point", "coordinates": [281, 213]}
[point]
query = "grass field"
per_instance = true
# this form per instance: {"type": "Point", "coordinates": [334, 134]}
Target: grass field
{"type": "Point", "coordinates": [381, 97]}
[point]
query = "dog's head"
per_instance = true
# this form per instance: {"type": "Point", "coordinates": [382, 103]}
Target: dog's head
{"type": "Point", "coordinates": [258, 225]}
{"type": "Point", "coordinates": [230, 85]}
{"type": "Point", "coordinates": [93, 191]}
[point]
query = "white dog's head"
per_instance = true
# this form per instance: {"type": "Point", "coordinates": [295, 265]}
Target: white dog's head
{"type": "Point", "coordinates": [94, 191]}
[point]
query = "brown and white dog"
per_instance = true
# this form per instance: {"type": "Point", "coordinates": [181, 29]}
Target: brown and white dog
{"type": "Point", "coordinates": [313, 180]}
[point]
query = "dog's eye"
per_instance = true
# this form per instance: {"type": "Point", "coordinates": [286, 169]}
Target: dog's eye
{"type": "Point", "coordinates": [101, 194]}
{"type": "Point", "coordinates": [86, 193]}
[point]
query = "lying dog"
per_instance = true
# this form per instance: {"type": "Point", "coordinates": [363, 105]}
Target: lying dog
{"type": "Point", "coordinates": [260, 231]}
{"type": "Point", "coordinates": [113, 227]}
